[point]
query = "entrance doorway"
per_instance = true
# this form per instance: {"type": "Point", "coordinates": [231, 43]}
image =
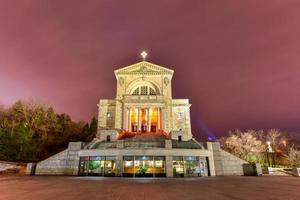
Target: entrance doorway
{"type": "Point", "coordinates": [144, 127]}
{"type": "Point", "coordinates": [134, 127]}
{"type": "Point", "coordinates": [144, 119]}
{"type": "Point", "coordinates": [153, 127]}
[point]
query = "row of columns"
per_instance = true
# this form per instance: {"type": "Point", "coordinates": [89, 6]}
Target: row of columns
{"type": "Point", "coordinates": [139, 121]}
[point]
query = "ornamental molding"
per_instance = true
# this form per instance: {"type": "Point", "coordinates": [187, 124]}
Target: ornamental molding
{"type": "Point", "coordinates": [144, 68]}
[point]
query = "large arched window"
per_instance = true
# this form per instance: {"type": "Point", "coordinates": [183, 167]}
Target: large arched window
{"type": "Point", "coordinates": [144, 90]}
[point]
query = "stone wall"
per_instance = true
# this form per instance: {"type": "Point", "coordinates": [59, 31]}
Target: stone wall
{"type": "Point", "coordinates": [183, 134]}
{"type": "Point", "coordinates": [112, 133]}
{"type": "Point", "coordinates": [55, 165]}
{"type": "Point", "coordinates": [63, 163]}
{"type": "Point", "coordinates": [232, 165]}
{"type": "Point", "coordinates": [106, 106]}
{"type": "Point", "coordinates": [225, 163]}
{"type": "Point", "coordinates": [8, 165]}
{"type": "Point", "coordinates": [221, 163]}
{"type": "Point", "coordinates": [296, 172]}
{"type": "Point", "coordinates": [181, 119]}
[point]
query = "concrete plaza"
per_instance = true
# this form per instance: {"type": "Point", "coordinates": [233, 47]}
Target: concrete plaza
{"type": "Point", "coordinates": [75, 188]}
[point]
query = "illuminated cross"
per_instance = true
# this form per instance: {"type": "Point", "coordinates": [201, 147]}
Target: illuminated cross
{"type": "Point", "coordinates": [144, 55]}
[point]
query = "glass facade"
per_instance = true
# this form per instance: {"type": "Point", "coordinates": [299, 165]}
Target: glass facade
{"type": "Point", "coordinates": [189, 166]}
{"type": "Point", "coordinates": [97, 165]}
{"type": "Point", "coordinates": [144, 166]}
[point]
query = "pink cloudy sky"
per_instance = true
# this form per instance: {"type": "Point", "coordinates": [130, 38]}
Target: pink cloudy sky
{"type": "Point", "coordinates": [237, 61]}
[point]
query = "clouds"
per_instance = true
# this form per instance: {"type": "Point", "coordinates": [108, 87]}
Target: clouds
{"type": "Point", "coordinates": [242, 55]}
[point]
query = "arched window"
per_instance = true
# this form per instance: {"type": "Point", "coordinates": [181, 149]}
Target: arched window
{"type": "Point", "coordinates": [152, 91]}
{"type": "Point", "coordinates": [136, 91]}
{"type": "Point", "coordinates": [144, 90]}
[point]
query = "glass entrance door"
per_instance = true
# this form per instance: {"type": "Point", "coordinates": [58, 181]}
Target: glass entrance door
{"type": "Point", "coordinates": [178, 166]}
{"type": "Point", "coordinates": [159, 169]}
{"type": "Point", "coordinates": [143, 166]}
{"type": "Point", "coordinates": [110, 166]}
{"type": "Point", "coordinates": [83, 166]}
{"type": "Point", "coordinates": [190, 166]}
{"type": "Point", "coordinates": [144, 126]}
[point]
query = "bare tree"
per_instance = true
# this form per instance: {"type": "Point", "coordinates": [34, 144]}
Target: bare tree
{"type": "Point", "coordinates": [245, 145]}
{"type": "Point", "coordinates": [277, 143]}
{"type": "Point", "coordinates": [293, 156]}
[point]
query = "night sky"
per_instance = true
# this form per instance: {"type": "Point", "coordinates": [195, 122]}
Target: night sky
{"type": "Point", "coordinates": [237, 61]}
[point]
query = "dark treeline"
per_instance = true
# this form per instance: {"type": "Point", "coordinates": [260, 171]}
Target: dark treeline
{"type": "Point", "coordinates": [32, 131]}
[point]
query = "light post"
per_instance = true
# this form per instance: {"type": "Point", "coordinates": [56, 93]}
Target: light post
{"type": "Point", "coordinates": [284, 143]}
{"type": "Point", "coordinates": [269, 150]}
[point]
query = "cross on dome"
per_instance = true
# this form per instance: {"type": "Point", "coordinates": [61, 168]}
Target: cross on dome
{"type": "Point", "coordinates": [144, 55]}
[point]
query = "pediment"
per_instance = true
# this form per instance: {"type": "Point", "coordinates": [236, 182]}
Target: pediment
{"type": "Point", "coordinates": [144, 68]}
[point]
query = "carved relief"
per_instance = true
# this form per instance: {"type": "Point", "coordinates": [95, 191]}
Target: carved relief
{"type": "Point", "coordinates": [144, 68]}
{"type": "Point", "coordinates": [121, 81]}
{"type": "Point", "coordinates": [166, 81]}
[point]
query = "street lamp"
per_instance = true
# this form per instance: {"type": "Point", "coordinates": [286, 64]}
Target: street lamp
{"type": "Point", "coordinates": [284, 143]}
{"type": "Point", "coordinates": [269, 150]}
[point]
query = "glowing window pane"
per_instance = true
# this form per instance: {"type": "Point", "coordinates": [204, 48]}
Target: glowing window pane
{"type": "Point", "coordinates": [152, 92]}
{"type": "Point", "coordinates": [136, 91]}
{"type": "Point", "coordinates": [128, 163]}
{"type": "Point", "coordinates": [144, 90]}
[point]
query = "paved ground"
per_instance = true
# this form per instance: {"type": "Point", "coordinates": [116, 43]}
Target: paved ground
{"type": "Point", "coordinates": [91, 188]}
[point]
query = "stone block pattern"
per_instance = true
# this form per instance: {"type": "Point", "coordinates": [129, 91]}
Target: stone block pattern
{"type": "Point", "coordinates": [7, 165]}
{"type": "Point", "coordinates": [55, 165]}
{"type": "Point", "coordinates": [225, 163]}
{"type": "Point", "coordinates": [232, 165]}
{"type": "Point", "coordinates": [63, 163]}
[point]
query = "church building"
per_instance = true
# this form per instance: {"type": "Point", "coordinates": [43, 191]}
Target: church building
{"type": "Point", "coordinates": [143, 132]}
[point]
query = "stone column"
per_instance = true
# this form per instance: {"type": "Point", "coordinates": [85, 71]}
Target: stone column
{"type": "Point", "coordinates": [125, 118]}
{"type": "Point", "coordinates": [169, 166]}
{"type": "Point", "coordinates": [158, 119]}
{"type": "Point", "coordinates": [215, 159]}
{"type": "Point", "coordinates": [148, 120]}
{"type": "Point", "coordinates": [188, 127]}
{"type": "Point", "coordinates": [119, 165]}
{"type": "Point", "coordinates": [129, 120]}
{"type": "Point", "coordinates": [211, 165]}
{"type": "Point", "coordinates": [139, 120]}
{"type": "Point", "coordinates": [163, 124]}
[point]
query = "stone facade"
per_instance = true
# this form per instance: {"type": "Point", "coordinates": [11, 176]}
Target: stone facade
{"type": "Point", "coordinates": [63, 163]}
{"type": "Point", "coordinates": [145, 86]}
{"type": "Point", "coordinates": [225, 163]}
{"type": "Point", "coordinates": [221, 163]}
